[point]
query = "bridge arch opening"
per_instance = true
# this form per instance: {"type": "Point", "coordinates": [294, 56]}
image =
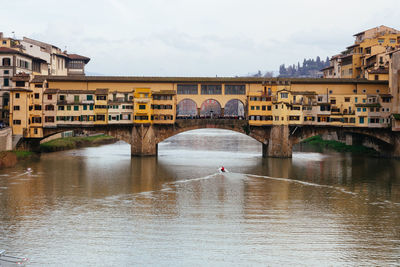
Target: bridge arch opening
{"type": "Point", "coordinates": [322, 140]}
{"type": "Point", "coordinates": [234, 108]}
{"type": "Point", "coordinates": [210, 108]}
{"type": "Point", "coordinates": [186, 108]}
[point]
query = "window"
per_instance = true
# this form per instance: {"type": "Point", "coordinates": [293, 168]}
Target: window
{"type": "Point", "coordinates": [358, 109]}
{"type": "Point", "coordinates": [187, 89]}
{"type": "Point", "coordinates": [6, 82]}
{"type": "Point", "coordinates": [49, 119]}
{"type": "Point", "coordinates": [364, 90]}
{"type": "Point", "coordinates": [142, 106]}
{"type": "Point", "coordinates": [101, 97]}
{"type": "Point", "coordinates": [392, 40]}
{"type": "Point", "coordinates": [268, 107]}
{"type": "Point", "coordinates": [376, 77]}
{"type": "Point", "coordinates": [38, 107]}
{"type": "Point", "coordinates": [6, 61]}
{"type": "Point", "coordinates": [68, 107]}
{"type": "Point", "coordinates": [91, 107]}
{"type": "Point", "coordinates": [100, 106]}
{"type": "Point", "coordinates": [330, 91]}
{"type": "Point", "coordinates": [257, 107]}
{"type": "Point", "coordinates": [20, 83]}
{"type": "Point", "coordinates": [263, 108]}
{"type": "Point", "coordinates": [49, 97]}
{"type": "Point", "coordinates": [36, 119]}
{"type": "Point", "coordinates": [381, 40]}
{"type": "Point", "coordinates": [140, 118]}
{"type": "Point", "coordinates": [355, 99]}
{"type": "Point", "coordinates": [61, 107]}
{"type": "Point", "coordinates": [100, 117]}
{"type": "Point", "coordinates": [284, 95]}
{"type": "Point", "coordinates": [16, 95]}
{"type": "Point", "coordinates": [49, 107]}
{"type": "Point", "coordinates": [76, 108]}
{"type": "Point", "coordinates": [364, 109]}
{"type": "Point", "coordinates": [252, 107]}
{"type": "Point", "coordinates": [16, 107]}
{"type": "Point", "coordinates": [347, 99]}
{"type": "Point", "coordinates": [84, 107]}
{"type": "Point", "coordinates": [235, 89]}
{"type": "Point", "coordinates": [207, 89]}
{"type": "Point", "coordinates": [76, 98]}
{"type": "Point", "coordinates": [17, 122]}
{"type": "Point", "coordinates": [37, 96]}
{"type": "Point", "coordinates": [62, 97]}
{"type": "Point", "coordinates": [89, 97]}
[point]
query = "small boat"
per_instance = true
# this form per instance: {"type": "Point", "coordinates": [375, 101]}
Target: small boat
{"type": "Point", "coordinates": [222, 169]}
{"type": "Point", "coordinates": [11, 260]}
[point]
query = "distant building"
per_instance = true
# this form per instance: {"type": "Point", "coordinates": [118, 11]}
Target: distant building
{"type": "Point", "coordinates": [367, 57]}
{"type": "Point", "coordinates": [31, 57]}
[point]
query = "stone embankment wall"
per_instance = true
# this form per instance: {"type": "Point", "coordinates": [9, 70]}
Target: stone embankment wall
{"type": "Point", "coordinates": [5, 139]}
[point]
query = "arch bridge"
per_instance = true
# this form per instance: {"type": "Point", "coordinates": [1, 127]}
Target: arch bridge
{"type": "Point", "coordinates": [276, 140]}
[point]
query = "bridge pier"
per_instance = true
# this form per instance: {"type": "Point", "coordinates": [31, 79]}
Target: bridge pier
{"type": "Point", "coordinates": [279, 145]}
{"type": "Point", "coordinates": [143, 141]}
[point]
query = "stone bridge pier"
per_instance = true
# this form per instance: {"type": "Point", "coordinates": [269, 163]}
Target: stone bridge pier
{"type": "Point", "coordinates": [143, 141]}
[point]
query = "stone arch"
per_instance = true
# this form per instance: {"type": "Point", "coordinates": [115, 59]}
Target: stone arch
{"type": "Point", "coordinates": [379, 139]}
{"type": "Point", "coordinates": [121, 132]}
{"type": "Point", "coordinates": [239, 126]}
{"type": "Point", "coordinates": [234, 108]}
{"type": "Point", "coordinates": [186, 108]}
{"type": "Point", "coordinates": [210, 108]}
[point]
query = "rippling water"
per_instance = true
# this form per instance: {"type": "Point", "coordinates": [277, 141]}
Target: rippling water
{"type": "Point", "coordinates": [100, 207]}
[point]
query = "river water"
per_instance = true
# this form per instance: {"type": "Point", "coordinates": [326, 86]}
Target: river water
{"type": "Point", "coordinates": [99, 207]}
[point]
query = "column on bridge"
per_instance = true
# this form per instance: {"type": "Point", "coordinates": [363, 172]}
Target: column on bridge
{"type": "Point", "coordinates": [279, 144]}
{"type": "Point", "coordinates": [143, 141]}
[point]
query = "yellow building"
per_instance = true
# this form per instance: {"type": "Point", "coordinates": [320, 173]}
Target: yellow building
{"type": "Point", "coordinates": [142, 99]}
{"type": "Point", "coordinates": [367, 57]}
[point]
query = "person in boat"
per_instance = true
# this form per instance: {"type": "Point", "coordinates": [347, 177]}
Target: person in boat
{"type": "Point", "coordinates": [222, 169]}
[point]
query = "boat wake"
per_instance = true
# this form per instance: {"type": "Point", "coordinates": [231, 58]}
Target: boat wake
{"type": "Point", "coordinates": [302, 182]}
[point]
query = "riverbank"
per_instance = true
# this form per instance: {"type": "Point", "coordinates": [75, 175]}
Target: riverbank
{"type": "Point", "coordinates": [76, 142]}
{"type": "Point", "coordinates": [10, 158]}
{"type": "Point", "coordinates": [319, 143]}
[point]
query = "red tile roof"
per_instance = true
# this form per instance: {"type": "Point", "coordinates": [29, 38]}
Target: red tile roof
{"type": "Point", "coordinates": [8, 50]}
{"type": "Point", "coordinates": [78, 57]}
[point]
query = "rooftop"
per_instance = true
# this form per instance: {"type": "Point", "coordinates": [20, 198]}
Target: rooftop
{"type": "Point", "coordinates": [227, 80]}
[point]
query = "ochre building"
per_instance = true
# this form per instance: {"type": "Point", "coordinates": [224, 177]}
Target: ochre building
{"type": "Point", "coordinates": [63, 101]}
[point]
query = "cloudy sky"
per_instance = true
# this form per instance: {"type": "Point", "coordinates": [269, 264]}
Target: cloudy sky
{"type": "Point", "coordinates": [195, 37]}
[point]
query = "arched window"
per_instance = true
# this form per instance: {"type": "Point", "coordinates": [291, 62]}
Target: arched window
{"type": "Point", "coordinates": [186, 107]}
{"type": "Point", "coordinates": [210, 108]}
{"type": "Point", "coordinates": [234, 108]}
{"type": "Point", "coordinates": [6, 61]}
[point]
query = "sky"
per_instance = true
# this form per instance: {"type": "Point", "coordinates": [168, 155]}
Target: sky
{"type": "Point", "coordinates": [195, 37]}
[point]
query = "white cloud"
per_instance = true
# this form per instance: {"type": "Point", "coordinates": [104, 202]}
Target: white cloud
{"type": "Point", "coordinates": [195, 37]}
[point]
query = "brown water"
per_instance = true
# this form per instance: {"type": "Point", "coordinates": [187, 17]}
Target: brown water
{"type": "Point", "coordinates": [98, 207]}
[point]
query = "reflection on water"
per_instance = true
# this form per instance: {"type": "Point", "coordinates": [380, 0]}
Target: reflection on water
{"type": "Point", "coordinates": [97, 206]}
